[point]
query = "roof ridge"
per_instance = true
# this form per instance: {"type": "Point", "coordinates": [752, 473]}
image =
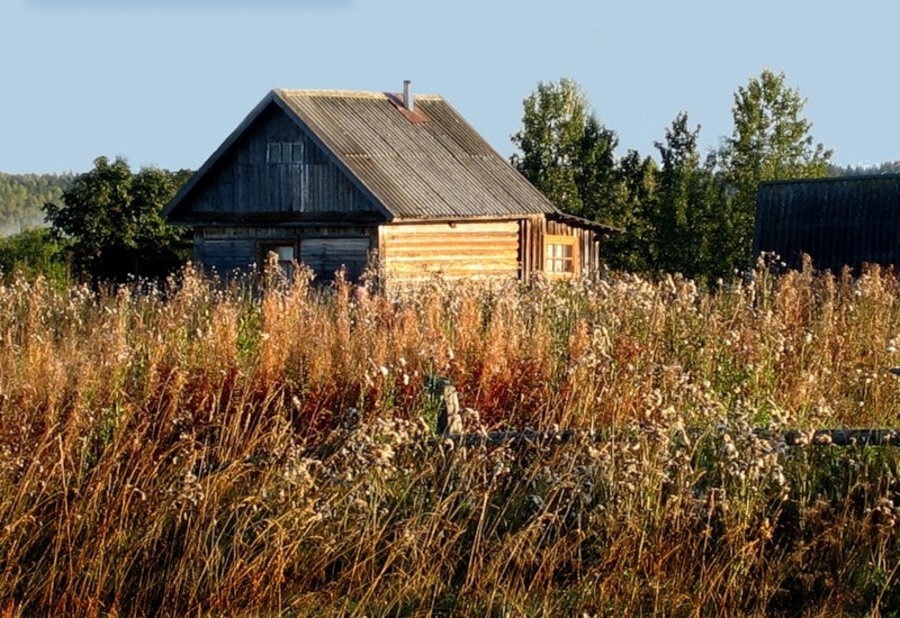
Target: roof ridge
{"type": "Point", "coordinates": [356, 94]}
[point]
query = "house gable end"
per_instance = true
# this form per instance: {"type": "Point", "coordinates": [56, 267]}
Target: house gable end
{"type": "Point", "coordinates": [273, 168]}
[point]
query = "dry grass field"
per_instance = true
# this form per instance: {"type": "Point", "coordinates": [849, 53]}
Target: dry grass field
{"type": "Point", "coordinates": [204, 449]}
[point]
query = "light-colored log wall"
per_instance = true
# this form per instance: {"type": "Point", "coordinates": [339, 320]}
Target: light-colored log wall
{"type": "Point", "coordinates": [417, 251]}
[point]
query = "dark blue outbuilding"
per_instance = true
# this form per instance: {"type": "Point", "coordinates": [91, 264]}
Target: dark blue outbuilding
{"type": "Point", "coordinates": [846, 221]}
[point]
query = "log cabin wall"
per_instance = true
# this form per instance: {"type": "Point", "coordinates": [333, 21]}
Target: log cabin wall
{"type": "Point", "coordinates": [325, 249]}
{"type": "Point", "coordinates": [463, 249]}
{"type": "Point", "coordinates": [531, 243]}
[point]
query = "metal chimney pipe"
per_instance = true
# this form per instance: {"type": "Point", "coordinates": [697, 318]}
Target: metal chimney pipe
{"type": "Point", "coordinates": [407, 96]}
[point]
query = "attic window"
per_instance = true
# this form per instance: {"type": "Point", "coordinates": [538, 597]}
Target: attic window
{"type": "Point", "coordinates": [285, 152]}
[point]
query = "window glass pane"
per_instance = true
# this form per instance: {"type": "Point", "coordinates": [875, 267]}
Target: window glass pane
{"type": "Point", "coordinates": [559, 254]}
{"type": "Point", "coordinates": [296, 152]}
{"type": "Point", "coordinates": [274, 153]}
{"type": "Point", "coordinates": [285, 253]}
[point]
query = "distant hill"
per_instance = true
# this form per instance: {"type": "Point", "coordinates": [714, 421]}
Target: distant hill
{"type": "Point", "coordinates": [22, 197]}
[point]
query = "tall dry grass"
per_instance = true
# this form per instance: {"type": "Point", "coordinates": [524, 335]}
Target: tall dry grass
{"type": "Point", "coordinates": [211, 449]}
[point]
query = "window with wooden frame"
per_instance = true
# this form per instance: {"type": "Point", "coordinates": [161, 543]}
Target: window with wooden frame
{"type": "Point", "coordinates": [561, 256]}
{"type": "Point", "coordinates": [282, 254]}
{"type": "Point", "coordinates": [285, 152]}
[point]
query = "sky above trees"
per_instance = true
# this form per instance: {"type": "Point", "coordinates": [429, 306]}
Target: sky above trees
{"type": "Point", "coordinates": [164, 82]}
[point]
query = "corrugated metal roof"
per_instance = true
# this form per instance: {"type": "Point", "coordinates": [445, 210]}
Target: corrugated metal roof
{"type": "Point", "coordinates": [429, 165]}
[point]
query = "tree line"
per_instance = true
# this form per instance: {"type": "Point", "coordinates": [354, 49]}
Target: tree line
{"type": "Point", "coordinates": [678, 211]}
{"type": "Point", "coordinates": [22, 198]}
{"type": "Point", "coordinates": [685, 211]}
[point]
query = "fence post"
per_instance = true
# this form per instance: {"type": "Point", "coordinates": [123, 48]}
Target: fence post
{"type": "Point", "coordinates": [449, 418]}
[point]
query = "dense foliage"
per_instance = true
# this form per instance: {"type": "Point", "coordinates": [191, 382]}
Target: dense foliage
{"type": "Point", "coordinates": [22, 198]}
{"type": "Point", "coordinates": [110, 219]}
{"type": "Point", "coordinates": [30, 253]}
{"type": "Point", "coordinates": [207, 451]}
{"type": "Point", "coordinates": [682, 212]}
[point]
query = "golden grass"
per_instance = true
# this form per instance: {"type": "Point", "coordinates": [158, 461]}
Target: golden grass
{"type": "Point", "coordinates": [204, 449]}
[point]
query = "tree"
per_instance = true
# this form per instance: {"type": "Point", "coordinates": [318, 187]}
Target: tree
{"type": "Point", "coordinates": [31, 252]}
{"type": "Point", "coordinates": [630, 206]}
{"type": "Point", "coordinates": [565, 151]}
{"type": "Point", "coordinates": [771, 140]}
{"type": "Point", "coordinates": [677, 215]}
{"type": "Point", "coordinates": [110, 220]}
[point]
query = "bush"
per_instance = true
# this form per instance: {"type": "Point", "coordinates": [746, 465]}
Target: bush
{"type": "Point", "coordinates": [32, 252]}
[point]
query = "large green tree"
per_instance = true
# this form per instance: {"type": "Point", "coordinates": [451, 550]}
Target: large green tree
{"type": "Point", "coordinates": [110, 219]}
{"type": "Point", "coordinates": [771, 140]}
{"type": "Point", "coordinates": [680, 212]}
{"type": "Point", "coordinates": [565, 151]}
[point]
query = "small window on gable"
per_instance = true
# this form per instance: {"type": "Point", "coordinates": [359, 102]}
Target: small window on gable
{"type": "Point", "coordinates": [285, 152]}
{"type": "Point", "coordinates": [561, 256]}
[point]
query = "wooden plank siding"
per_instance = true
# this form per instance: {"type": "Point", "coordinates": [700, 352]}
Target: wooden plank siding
{"type": "Point", "coordinates": [328, 255]}
{"type": "Point", "coordinates": [837, 221]}
{"type": "Point", "coordinates": [588, 244]}
{"type": "Point", "coordinates": [324, 249]}
{"type": "Point", "coordinates": [464, 249]}
{"type": "Point", "coordinates": [244, 181]}
{"type": "Point", "coordinates": [533, 234]}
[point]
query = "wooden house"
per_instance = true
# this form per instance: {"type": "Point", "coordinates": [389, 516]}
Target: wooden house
{"type": "Point", "coordinates": [331, 178]}
{"type": "Point", "coordinates": [845, 221]}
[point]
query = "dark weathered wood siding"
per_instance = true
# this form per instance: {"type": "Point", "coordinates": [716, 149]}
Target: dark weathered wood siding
{"type": "Point", "coordinates": [837, 222]}
{"type": "Point", "coordinates": [324, 249]}
{"type": "Point", "coordinates": [464, 249]}
{"type": "Point", "coordinates": [244, 181]}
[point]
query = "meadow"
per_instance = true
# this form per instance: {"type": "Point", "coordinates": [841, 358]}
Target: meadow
{"type": "Point", "coordinates": [198, 448]}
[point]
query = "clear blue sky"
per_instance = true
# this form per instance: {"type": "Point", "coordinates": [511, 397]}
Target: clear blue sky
{"type": "Point", "coordinates": [163, 82]}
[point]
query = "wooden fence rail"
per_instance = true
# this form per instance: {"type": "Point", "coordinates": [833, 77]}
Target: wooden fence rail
{"type": "Point", "coordinates": [792, 438]}
{"type": "Point", "coordinates": [450, 426]}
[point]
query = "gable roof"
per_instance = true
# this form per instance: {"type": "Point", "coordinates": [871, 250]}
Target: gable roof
{"type": "Point", "coordinates": [428, 164]}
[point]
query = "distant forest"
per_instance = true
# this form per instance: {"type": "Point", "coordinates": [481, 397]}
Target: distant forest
{"type": "Point", "coordinates": [22, 198]}
{"type": "Point", "coordinates": [888, 167]}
